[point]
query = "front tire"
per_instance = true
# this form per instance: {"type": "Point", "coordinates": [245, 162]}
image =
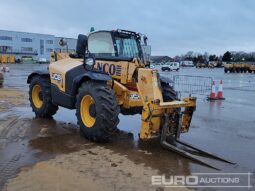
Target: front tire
{"type": "Point", "coordinates": [169, 94]}
{"type": "Point", "coordinates": [40, 97]}
{"type": "Point", "coordinates": [97, 111]}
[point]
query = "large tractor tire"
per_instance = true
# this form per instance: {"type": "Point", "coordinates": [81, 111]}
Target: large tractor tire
{"type": "Point", "coordinates": [168, 92]}
{"type": "Point", "coordinates": [40, 97]}
{"type": "Point", "coordinates": [97, 111]}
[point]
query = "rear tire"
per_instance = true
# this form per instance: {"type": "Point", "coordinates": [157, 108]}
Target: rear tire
{"type": "Point", "coordinates": [40, 97]}
{"type": "Point", "coordinates": [98, 118]}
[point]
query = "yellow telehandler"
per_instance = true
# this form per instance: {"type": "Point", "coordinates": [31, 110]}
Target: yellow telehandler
{"type": "Point", "coordinates": [106, 76]}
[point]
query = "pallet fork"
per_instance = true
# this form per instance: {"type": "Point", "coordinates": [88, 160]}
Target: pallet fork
{"type": "Point", "coordinates": [173, 146]}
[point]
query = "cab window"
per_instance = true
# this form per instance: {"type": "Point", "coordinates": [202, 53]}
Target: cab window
{"type": "Point", "coordinates": [101, 44]}
{"type": "Point", "coordinates": [127, 47]}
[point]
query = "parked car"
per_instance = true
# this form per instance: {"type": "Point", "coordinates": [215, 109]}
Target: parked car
{"type": "Point", "coordinates": [170, 66]}
{"type": "Point", "coordinates": [201, 65]}
{"type": "Point", "coordinates": [167, 66]}
{"type": "Point", "coordinates": [42, 60]}
{"type": "Point", "coordinates": [212, 64]}
{"type": "Point", "coordinates": [187, 63]}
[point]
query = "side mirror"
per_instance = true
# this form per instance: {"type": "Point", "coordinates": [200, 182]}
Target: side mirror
{"type": "Point", "coordinates": [89, 61]}
{"type": "Point", "coordinates": [81, 45]}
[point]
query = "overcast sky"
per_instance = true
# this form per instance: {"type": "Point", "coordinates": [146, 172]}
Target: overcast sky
{"type": "Point", "coordinates": [172, 26]}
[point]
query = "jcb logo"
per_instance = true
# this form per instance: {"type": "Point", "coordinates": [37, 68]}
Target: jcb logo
{"type": "Point", "coordinates": [111, 69]}
{"type": "Point", "coordinates": [55, 76]}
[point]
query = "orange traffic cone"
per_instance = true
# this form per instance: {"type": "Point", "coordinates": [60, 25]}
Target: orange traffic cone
{"type": "Point", "coordinates": [212, 95]}
{"type": "Point", "coordinates": [220, 91]}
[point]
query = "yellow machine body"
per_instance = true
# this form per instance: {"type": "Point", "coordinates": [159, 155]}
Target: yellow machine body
{"type": "Point", "coordinates": [143, 92]}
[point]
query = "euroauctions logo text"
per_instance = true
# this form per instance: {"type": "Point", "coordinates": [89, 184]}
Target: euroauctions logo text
{"type": "Point", "coordinates": [237, 180]}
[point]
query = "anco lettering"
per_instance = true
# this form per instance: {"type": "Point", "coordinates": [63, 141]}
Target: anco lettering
{"type": "Point", "coordinates": [108, 68]}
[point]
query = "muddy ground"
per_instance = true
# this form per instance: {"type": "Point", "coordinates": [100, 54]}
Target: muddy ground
{"type": "Point", "coordinates": [38, 154]}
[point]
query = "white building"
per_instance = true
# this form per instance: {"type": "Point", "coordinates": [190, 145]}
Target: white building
{"type": "Point", "coordinates": [34, 45]}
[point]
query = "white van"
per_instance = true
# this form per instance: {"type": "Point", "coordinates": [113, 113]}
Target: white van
{"type": "Point", "coordinates": [170, 66]}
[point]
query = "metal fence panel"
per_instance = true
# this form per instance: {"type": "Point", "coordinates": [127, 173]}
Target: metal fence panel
{"type": "Point", "coordinates": [186, 84]}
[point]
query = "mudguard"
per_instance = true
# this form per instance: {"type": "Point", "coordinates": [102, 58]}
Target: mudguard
{"type": "Point", "coordinates": [67, 99]}
{"type": "Point", "coordinates": [96, 75]}
{"type": "Point", "coordinates": [38, 72]}
{"type": "Point", "coordinates": [89, 75]}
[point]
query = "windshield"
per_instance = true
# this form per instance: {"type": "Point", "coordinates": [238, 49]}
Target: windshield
{"type": "Point", "coordinates": [101, 44]}
{"type": "Point", "coordinates": [127, 47]}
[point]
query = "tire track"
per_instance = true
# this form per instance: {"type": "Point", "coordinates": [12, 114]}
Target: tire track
{"type": "Point", "coordinates": [8, 169]}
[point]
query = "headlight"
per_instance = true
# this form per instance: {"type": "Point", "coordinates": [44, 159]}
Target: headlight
{"type": "Point", "coordinates": [90, 61]}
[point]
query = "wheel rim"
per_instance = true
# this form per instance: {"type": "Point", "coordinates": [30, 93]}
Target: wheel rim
{"type": "Point", "coordinates": [37, 96]}
{"type": "Point", "coordinates": [87, 110]}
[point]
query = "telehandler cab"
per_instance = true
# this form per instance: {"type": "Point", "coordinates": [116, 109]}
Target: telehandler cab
{"type": "Point", "coordinates": [106, 76]}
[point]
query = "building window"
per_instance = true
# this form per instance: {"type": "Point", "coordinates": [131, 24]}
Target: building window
{"type": "Point", "coordinates": [49, 49]}
{"type": "Point", "coordinates": [49, 41]}
{"type": "Point", "coordinates": [58, 49]}
{"type": "Point", "coordinates": [5, 38]}
{"type": "Point", "coordinates": [26, 39]}
{"type": "Point", "coordinates": [26, 49]}
{"type": "Point", "coordinates": [41, 47]}
{"type": "Point", "coordinates": [4, 49]}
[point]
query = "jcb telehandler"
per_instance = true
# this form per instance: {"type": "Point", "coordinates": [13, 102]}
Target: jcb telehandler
{"type": "Point", "coordinates": [106, 76]}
